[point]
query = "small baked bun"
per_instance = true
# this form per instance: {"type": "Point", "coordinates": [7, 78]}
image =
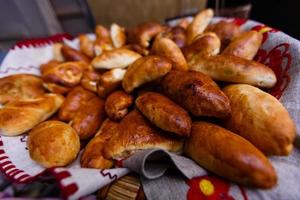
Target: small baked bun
{"type": "Point", "coordinates": [53, 144]}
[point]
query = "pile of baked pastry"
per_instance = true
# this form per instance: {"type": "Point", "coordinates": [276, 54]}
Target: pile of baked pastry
{"type": "Point", "coordinates": [154, 86]}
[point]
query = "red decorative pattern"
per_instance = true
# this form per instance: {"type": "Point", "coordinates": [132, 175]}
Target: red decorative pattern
{"type": "Point", "coordinates": [108, 174]}
{"type": "Point", "coordinates": [265, 30]}
{"type": "Point", "coordinates": [17, 69]}
{"type": "Point", "coordinates": [279, 60]}
{"type": "Point", "coordinates": [10, 170]}
{"type": "Point", "coordinates": [66, 190]}
{"type": "Point", "coordinates": [42, 41]}
{"type": "Point", "coordinates": [239, 21]}
{"type": "Point", "coordinates": [210, 188]}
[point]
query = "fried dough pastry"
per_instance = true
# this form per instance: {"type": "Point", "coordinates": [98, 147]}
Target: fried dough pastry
{"type": "Point", "coordinates": [55, 88]}
{"type": "Point", "coordinates": [205, 44]}
{"type": "Point", "coordinates": [66, 74]}
{"type": "Point", "coordinates": [89, 80]}
{"type": "Point", "coordinates": [178, 35]}
{"type": "Point", "coordinates": [86, 45]}
{"type": "Point", "coordinates": [57, 54]}
{"type": "Point", "coordinates": [116, 58]}
{"type": "Point", "coordinates": [117, 35]}
{"type": "Point", "coordinates": [197, 93]}
{"type": "Point", "coordinates": [144, 70]}
{"type": "Point", "coordinates": [137, 133]}
{"type": "Point", "coordinates": [110, 81]}
{"type": "Point", "coordinates": [234, 69]}
{"type": "Point", "coordinates": [199, 24]}
{"type": "Point", "coordinates": [76, 97]}
{"type": "Point", "coordinates": [225, 30]}
{"type": "Point", "coordinates": [71, 54]}
{"type": "Point", "coordinates": [103, 41]}
{"type": "Point", "coordinates": [88, 118]}
{"type": "Point", "coordinates": [116, 105]}
{"type": "Point", "coordinates": [165, 47]}
{"type": "Point", "coordinates": [19, 116]}
{"type": "Point", "coordinates": [92, 156]}
{"type": "Point", "coordinates": [49, 66]}
{"type": "Point", "coordinates": [229, 156]}
{"type": "Point", "coordinates": [245, 45]}
{"type": "Point", "coordinates": [164, 113]}
{"type": "Point", "coordinates": [143, 33]}
{"type": "Point", "coordinates": [137, 48]}
{"type": "Point", "coordinates": [261, 119]}
{"type": "Point", "coordinates": [20, 86]}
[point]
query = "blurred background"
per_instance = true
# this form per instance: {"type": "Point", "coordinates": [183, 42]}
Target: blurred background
{"type": "Point", "coordinates": [22, 19]}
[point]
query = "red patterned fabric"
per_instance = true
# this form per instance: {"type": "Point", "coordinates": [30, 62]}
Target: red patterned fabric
{"type": "Point", "coordinates": [41, 41]}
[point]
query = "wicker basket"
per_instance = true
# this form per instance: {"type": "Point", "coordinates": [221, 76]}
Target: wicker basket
{"type": "Point", "coordinates": [126, 188]}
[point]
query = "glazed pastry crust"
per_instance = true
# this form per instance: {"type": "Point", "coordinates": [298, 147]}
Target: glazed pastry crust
{"type": "Point", "coordinates": [53, 144]}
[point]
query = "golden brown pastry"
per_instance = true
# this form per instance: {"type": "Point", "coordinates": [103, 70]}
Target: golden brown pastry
{"type": "Point", "coordinates": [164, 113]}
{"type": "Point", "coordinates": [66, 74]}
{"type": "Point", "coordinates": [53, 144]}
{"type": "Point", "coordinates": [57, 52]}
{"type": "Point", "coordinates": [205, 44]}
{"type": "Point", "coordinates": [19, 116]}
{"type": "Point", "coordinates": [55, 88]}
{"type": "Point", "coordinates": [110, 81]}
{"type": "Point", "coordinates": [177, 34]}
{"type": "Point", "coordinates": [103, 41]}
{"type": "Point", "coordinates": [165, 47]}
{"type": "Point", "coordinates": [229, 156]}
{"type": "Point", "coordinates": [234, 69]}
{"type": "Point", "coordinates": [197, 93]}
{"type": "Point", "coordinates": [75, 98]}
{"type": "Point", "coordinates": [137, 48]}
{"type": "Point", "coordinates": [245, 45]}
{"type": "Point", "coordinates": [71, 54]}
{"type": "Point", "coordinates": [184, 23]}
{"type": "Point", "coordinates": [144, 70]}
{"type": "Point", "coordinates": [20, 86]}
{"type": "Point", "coordinates": [88, 118]}
{"type": "Point", "coordinates": [89, 80]}
{"type": "Point", "coordinates": [116, 105]}
{"type": "Point", "coordinates": [86, 45]}
{"type": "Point", "coordinates": [199, 24]}
{"type": "Point", "coordinates": [225, 30]}
{"type": "Point", "coordinates": [136, 133]}
{"type": "Point", "coordinates": [92, 156]}
{"type": "Point", "coordinates": [260, 118]}
{"type": "Point", "coordinates": [49, 66]}
{"type": "Point", "coordinates": [117, 35]}
{"type": "Point", "coordinates": [116, 58]}
{"type": "Point", "coordinates": [143, 33]}
{"type": "Point", "coordinates": [102, 33]}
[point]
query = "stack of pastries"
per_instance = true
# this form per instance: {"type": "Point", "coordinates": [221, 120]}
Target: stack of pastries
{"type": "Point", "coordinates": [154, 86]}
